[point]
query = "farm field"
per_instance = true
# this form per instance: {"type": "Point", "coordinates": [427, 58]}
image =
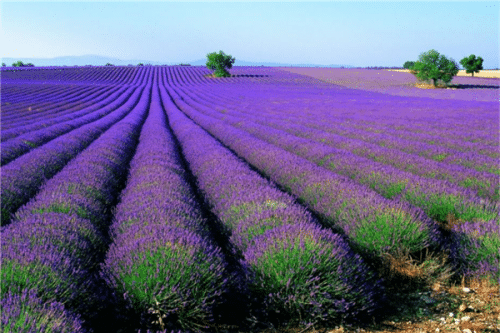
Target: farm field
{"type": "Point", "coordinates": [159, 199]}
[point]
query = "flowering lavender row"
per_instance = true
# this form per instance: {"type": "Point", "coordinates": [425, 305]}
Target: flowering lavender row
{"type": "Point", "coordinates": [51, 103]}
{"type": "Point", "coordinates": [162, 260]}
{"type": "Point", "coordinates": [476, 249]}
{"type": "Point", "coordinates": [22, 177]}
{"type": "Point", "coordinates": [52, 254]}
{"type": "Point", "coordinates": [470, 140]}
{"type": "Point", "coordinates": [322, 100]}
{"type": "Point", "coordinates": [121, 75]}
{"type": "Point", "coordinates": [482, 182]}
{"type": "Point", "coordinates": [22, 144]}
{"type": "Point", "coordinates": [28, 314]}
{"type": "Point", "coordinates": [484, 158]}
{"type": "Point", "coordinates": [107, 98]}
{"type": "Point", "coordinates": [374, 224]}
{"type": "Point", "coordinates": [375, 123]}
{"type": "Point", "coordinates": [61, 229]}
{"type": "Point", "coordinates": [35, 93]}
{"type": "Point", "coordinates": [66, 108]}
{"type": "Point", "coordinates": [433, 149]}
{"type": "Point", "coordinates": [293, 265]}
{"type": "Point", "coordinates": [436, 198]}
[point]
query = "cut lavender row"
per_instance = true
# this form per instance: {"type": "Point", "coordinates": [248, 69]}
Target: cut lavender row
{"type": "Point", "coordinates": [162, 261]}
{"type": "Point", "coordinates": [22, 178]}
{"type": "Point", "coordinates": [373, 223]}
{"type": "Point", "coordinates": [436, 198]}
{"type": "Point", "coordinates": [22, 144]}
{"type": "Point", "coordinates": [294, 267]}
{"type": "Point", "coordinates": [56, 241]}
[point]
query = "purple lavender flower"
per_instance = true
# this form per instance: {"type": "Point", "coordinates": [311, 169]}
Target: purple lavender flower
{"type": "Point", "coordinates": [25, 312]}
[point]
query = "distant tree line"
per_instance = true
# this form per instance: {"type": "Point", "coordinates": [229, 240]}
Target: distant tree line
{"type": "Point", "coordinates": [436, 67]}
{"type": "Point", "coordinates": [20, 64]}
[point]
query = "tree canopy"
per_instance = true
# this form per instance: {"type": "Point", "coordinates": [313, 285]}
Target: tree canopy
{"type": "Point", "coordinates": [408, 64]}
{"type": "Point", "coordinates": [220, 62]}
{"type": "Point", "coordinates": [472, 64]}
{"type": "Point", "coordinates": [434, 66]}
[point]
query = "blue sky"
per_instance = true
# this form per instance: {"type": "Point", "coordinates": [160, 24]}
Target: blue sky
{"type": "Point", "coordinates": [375, 33]}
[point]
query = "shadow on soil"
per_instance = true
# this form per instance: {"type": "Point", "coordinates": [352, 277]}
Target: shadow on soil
{"type": "Point", "coordinates": [473, 86]}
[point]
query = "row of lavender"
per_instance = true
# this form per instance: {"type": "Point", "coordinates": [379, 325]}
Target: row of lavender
{"type": "Point", "coordinates": [120, 75]}
{"type": "Point", "coordinates": [321, 121]}
{"type": "Point", "coordinates": [60, 259]}
{"type": "Point", "coordinates": [162, 259]}
{"type": "Point", "coordinates": [355, 159]}
{"type": "Point", "coordinates": [22, 177]}
{"type": "Point", "coordinates": [76, 200]}
{"type": "Point", "coordinates": [12, 107]}
{"type": "Point", "coordinates": [30, 137]}
{"type": "Point", "coordinates": [293, 266]}
{"type": "Point", "coordinates": [55, 242]}
{"type": "Point", "coordinates": [420, 192]}
{"type": "Point", "coordinates": [57, 104]}
{"type": "Point", "coordinates": [265, 226]}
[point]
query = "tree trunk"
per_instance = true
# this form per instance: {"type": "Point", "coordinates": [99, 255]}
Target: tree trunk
{"type": "Point", "coordinates": [472, 74]}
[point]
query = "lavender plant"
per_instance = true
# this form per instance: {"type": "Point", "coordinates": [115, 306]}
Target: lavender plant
{"type": "Point", "coordinates": [475, 249]}
{"type": "Point", "coordinates": [170, 273]}
{"type": "Point", "coordinates": [26, 313]}
{"type": "Point", "coordinates": [306, 272]}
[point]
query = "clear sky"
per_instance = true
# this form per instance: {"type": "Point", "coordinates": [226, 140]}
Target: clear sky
{"type": "Point", "coordinates": [375, 33]}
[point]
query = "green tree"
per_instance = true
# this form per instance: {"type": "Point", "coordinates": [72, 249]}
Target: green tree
{"type": "Point", "coordinates": [4, 64]}
{"type": "Point", "coordinates": [220, 63]}
{"type": "Point", "coordinates": [408, 64]}
{"type": "Point", "coordinates": [434, 66]}
{"type": "Point", "coordinates": [109, 64]}
{"type": "Point", "coordinates": [140, 64]}
{"type": "Point", "coordinates": [18, 64]}
{"type": "Point", "coordinates": [472, 64]}
{"type": "Point", "coordinates": [29, 64]}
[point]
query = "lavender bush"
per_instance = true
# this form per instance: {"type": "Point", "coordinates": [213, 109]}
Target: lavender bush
{"type": "Point", "coordinates": [475, 249]}
{"type": "Point", "coordinates": [28, 314]}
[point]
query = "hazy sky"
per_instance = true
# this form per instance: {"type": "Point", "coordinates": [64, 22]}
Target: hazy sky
{"type": "Point", "coordinates": [376, 33]}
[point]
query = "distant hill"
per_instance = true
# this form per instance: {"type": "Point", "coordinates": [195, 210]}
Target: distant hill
{"type": "Point", "coordinates": [93, 60]}
{"type": "Point", "coordinates": [96, 60]}
{"type": "Point", "coordinates": [266, 64]}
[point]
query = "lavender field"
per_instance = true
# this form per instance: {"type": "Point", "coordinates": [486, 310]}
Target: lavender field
{"type": "Point", "coordinates": [160, 199]}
